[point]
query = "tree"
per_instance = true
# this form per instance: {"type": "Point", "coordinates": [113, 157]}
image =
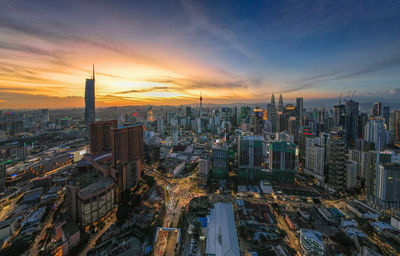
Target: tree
{"type": "Point", "coordinates": [17, 247]}
{"type": "Point", "coordinates": [149, 180]}
{"type": "Point", "coordinates": [122, 212]}
{"type": "Point", "coordinates": [136, 200]}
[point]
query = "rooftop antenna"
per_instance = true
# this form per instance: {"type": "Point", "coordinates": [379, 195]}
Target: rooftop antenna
{"type": "Point", "coordinates": [93, 72]}
{"type": "Point", "coordinates": [340, 98]}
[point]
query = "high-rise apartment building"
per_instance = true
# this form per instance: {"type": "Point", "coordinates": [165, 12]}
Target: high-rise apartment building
{"type": "Point", "coordinates": [315, 160]}
{"type": "Point", "coordinates": [375, 132]}
{"type": "Point", "coordinates": [351, 175]}
{"type": "Point", "coordinates": [127, 155]}
{"type": "Point", "coordinates": [100, 134]}
{"type": "Point", "coordinates": [90, 111]}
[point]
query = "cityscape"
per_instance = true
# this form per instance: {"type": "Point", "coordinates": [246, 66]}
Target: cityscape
{"type": "Point", "coordinates": [200, 128]}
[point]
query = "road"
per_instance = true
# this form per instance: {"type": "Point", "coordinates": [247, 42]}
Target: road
{"type": "Point", "coordinates": [48, 223]}
{"type": "Point", "coordinates": [93, 240]}
{"type": "Point", "coordinates": [178, 197]}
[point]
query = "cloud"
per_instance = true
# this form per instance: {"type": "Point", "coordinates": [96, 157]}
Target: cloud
{"type": "Point", "coordinates": [201, 84]}
{"type": "Point", "coordinates": [151, 89]}
{"type": "Point", "coordinates": [200, 21]}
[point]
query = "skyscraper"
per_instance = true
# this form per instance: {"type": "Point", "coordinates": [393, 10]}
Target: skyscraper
{"type": "Point", "coordinates": [376, 133]}
{"type": "Point", "coordinates": [272, 114]}
{"type": "Point", "coordinates": [280, 104]}
{"type": "Point", "coordinates": [376, 109]}
{"type": "Point", "coordinates": [201, 105]}
{"type": "Point", "coordinates": [299, 108]}
{"type": "Point", "coordinates": [127, 155]}
{"type": "Point", "coordinates": [394, 126]}
{"type": "Point", "coordinates": [386, 114]}
{"type": "Point", "coordinates": [90, 101]}
{"type": "Point", "coordinates": [339, 115]}
{"type": "Point", "coordinates": [351, 120]}
{"type": "Point", "coordinates": [388, 187]}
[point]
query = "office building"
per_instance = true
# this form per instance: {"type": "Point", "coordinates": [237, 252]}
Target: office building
{"type": "Point", "coordinates": [375, 158]}
{"type": "Point", "coordinates": [257, 122]}
{"type": "Point", "coordinates": [250, 151]}
{"type": "Point", "coordinates": [220, 156]}
{"type": "Point", "coordinates": [90, 101]}
{"type": "Point", "coordinates": [388, 187]}
{"type": "Point", "coordinates": [222, 237]}
{"type": "Point", "coordinates": [311, 242]}
{"type": "Point", "coordinates": [339, 115]}
{"type": "Point", "coordinates": [376, 109]}
{"type": "Point", "coordinates": [272, 113]}
{"type": "Point", "coordinates": [351, 120]}
{"type": "Point", "coordinates": [100, 134]}
{"type": "Point", "coordinates": [89, 197]}
{"type": "Point", "coordinates": [280, 104]}
{"type": "Point", "coordinates": [386, 114]}
{"type": "Point", "coordinates": [299, 109]}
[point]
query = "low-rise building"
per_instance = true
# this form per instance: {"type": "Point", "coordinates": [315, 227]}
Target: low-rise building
{"type": "Point", "coordinates": [221, 231]}
{"type": "Point", "coordinates": [362, 210]}
{"type": "Point", "coordinates": [311, 242]}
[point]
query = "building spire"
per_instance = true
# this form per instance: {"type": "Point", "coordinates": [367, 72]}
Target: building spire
{"type": "Point", "coordinates": [93, 72]}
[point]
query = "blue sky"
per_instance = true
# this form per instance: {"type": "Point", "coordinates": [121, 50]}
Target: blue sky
{"type": "Point", "coordinates": [166, 52]}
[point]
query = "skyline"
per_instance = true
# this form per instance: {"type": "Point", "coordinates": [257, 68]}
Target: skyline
{"type": "Point", "coordinates": [166, 53]}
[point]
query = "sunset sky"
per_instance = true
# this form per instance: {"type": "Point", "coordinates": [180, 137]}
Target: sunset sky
{"type": "Point", "coordinates": [167, 52]}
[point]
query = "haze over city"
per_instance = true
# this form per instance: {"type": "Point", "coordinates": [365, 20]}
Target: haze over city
{"type": "Point", "coordinates": [166, 52]}
{"type": "Point", "coordinates": [199, 128]}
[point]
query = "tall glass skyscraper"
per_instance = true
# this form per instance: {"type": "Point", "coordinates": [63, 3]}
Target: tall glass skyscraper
{"type": "Point", "coordinates": [89, 101]}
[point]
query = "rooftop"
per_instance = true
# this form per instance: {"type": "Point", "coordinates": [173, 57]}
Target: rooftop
{"type": "Point", "coordinates": [314, 235]}
{"type": "Point", "coordinates": [95, 187]}
{"type": "Point", "coordinates": [221, 232]}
